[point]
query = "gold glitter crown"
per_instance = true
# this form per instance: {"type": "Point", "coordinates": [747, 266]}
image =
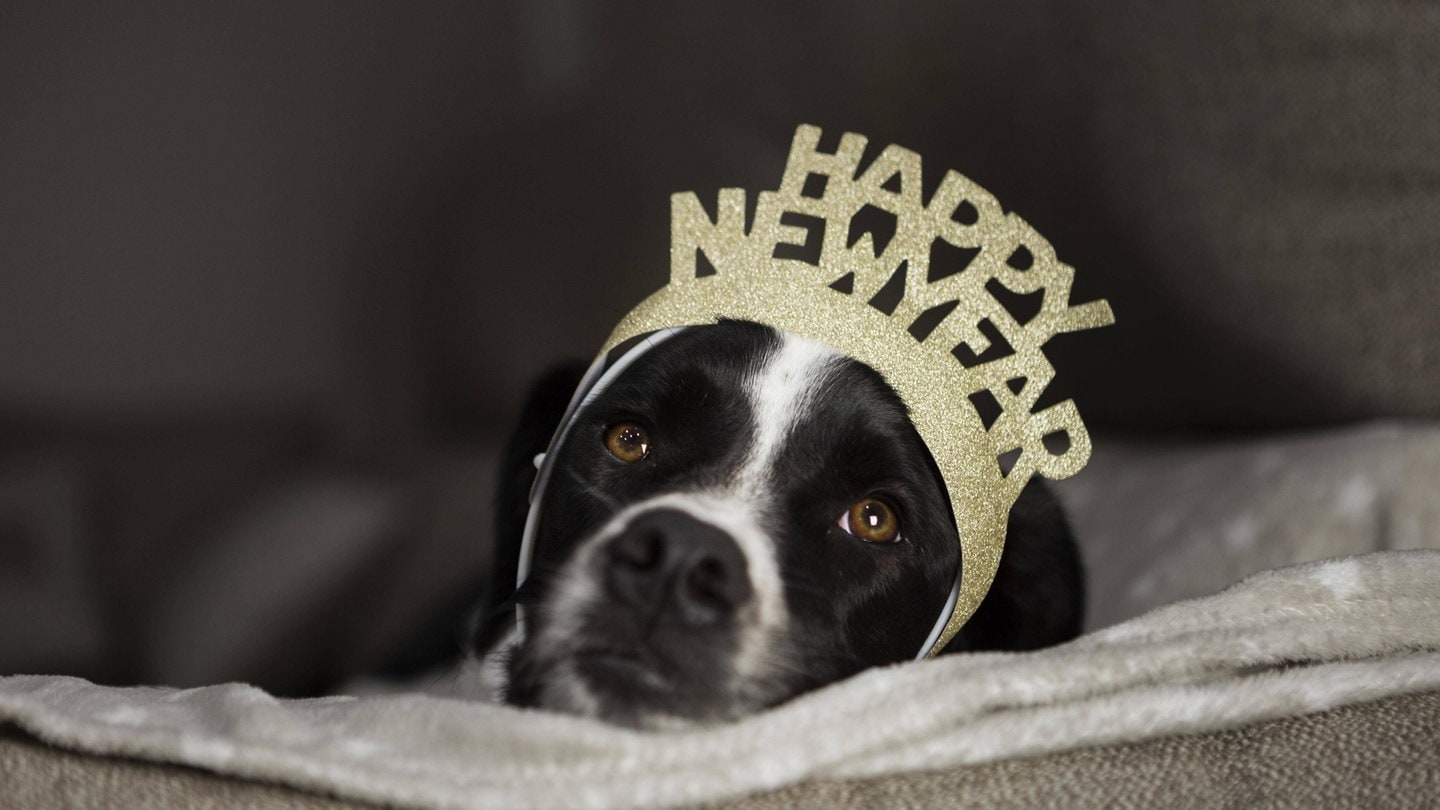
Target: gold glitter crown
{"type": "Point", "coordinates": [931, 305]}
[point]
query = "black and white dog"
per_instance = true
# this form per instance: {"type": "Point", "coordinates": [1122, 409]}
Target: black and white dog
{"type": "Point", "coordinates": [740, 516]}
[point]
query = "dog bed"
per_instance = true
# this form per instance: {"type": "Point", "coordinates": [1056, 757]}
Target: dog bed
{"type": "Point", "coordinates": [1317, 681]}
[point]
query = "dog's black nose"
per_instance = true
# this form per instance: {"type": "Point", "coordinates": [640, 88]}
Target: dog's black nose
{"type": "Point", "coordinates": [669, 564]}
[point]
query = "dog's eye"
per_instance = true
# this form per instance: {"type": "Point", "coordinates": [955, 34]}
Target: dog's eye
{"type": "Point", "coordinates": [872, 520]}
{"type": "Point", "coordinates": [628, 442]}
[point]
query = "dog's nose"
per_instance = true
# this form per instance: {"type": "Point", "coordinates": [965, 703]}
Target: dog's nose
{"type": "Point", "coordinates": [669, 563]}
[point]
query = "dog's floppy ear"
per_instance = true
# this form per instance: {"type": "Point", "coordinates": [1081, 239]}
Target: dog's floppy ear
{"type": "Point", "coordinates": [544, 408]}
{"type": "Point", "coordinates": [1038, 598]}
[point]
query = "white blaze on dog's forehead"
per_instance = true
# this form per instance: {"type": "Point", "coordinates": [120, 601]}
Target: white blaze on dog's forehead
{"type": "Point", "coordinates": [781, 391]}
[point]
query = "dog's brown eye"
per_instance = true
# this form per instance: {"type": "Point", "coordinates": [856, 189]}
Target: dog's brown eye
{"type": "Point", "coordinates": [628, 442]}
{"type": "Point", "coordinates": [872, 520]}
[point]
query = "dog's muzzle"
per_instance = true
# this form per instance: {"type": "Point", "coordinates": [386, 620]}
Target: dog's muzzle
{"type": "Point", "coordinates": [670, 566]}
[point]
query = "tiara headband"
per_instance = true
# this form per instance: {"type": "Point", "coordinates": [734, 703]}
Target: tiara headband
{"type": "Point", "coordinates": [951, 306]}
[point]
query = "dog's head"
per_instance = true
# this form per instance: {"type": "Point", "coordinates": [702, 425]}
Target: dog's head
{"type": "Point", "coordinates": [739, 516]}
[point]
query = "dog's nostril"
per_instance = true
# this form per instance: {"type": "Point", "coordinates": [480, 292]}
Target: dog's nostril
{"type": "Point", "coordinates": [707, 582]}
{"type": "Point", "coordinates": [639, 549]}
{"type": "Point", "coordinates": [714, 585]}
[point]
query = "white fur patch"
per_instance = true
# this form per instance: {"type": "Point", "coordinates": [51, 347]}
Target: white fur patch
{"type": "Point", "coordinates": [490, 671]}
{"type": "Point", "coordinates": [780, 392]}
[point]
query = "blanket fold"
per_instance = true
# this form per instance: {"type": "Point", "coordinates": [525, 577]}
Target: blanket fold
{"type": "Point", "coordinates": [1284, 643]}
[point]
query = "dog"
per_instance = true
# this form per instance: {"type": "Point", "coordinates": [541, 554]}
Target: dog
{"type": "Point", "coordinates": [740, 516]}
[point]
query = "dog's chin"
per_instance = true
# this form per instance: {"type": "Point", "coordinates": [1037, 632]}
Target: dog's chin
{"type": "Point", "coordinates": [627, 687]}
{"type": "Point", "coordinates": [668, 680]}
{"type": "Point", "coordinates": [626, 673]}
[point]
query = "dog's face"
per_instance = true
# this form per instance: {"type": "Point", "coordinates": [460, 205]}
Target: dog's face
{"type": "Point", "coordinates": [742, 515]}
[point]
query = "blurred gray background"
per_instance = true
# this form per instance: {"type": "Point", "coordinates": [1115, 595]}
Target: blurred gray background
{"type": "Point", "coordinates": [274, 276]}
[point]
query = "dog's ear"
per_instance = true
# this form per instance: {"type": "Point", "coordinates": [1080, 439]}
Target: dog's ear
{"type": "Point", "coordinates": [1038, 598]}
{"type": "Point", "coordinates": [544, 408]}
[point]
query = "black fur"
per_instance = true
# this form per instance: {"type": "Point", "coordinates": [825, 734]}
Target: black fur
{"type": "Point", "coordinates": [541, 414]}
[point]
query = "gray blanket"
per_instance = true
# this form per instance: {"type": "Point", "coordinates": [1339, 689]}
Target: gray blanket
{"type": "Point", "coordinates": [1283, 643]}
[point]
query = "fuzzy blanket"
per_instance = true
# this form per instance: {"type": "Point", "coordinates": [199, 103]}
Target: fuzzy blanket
{"type": "Point", "coordinates": [1283, 643]}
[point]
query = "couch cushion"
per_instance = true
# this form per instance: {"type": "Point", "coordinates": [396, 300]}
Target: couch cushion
{"type": "Point", "coordinates": [1159, 520]}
